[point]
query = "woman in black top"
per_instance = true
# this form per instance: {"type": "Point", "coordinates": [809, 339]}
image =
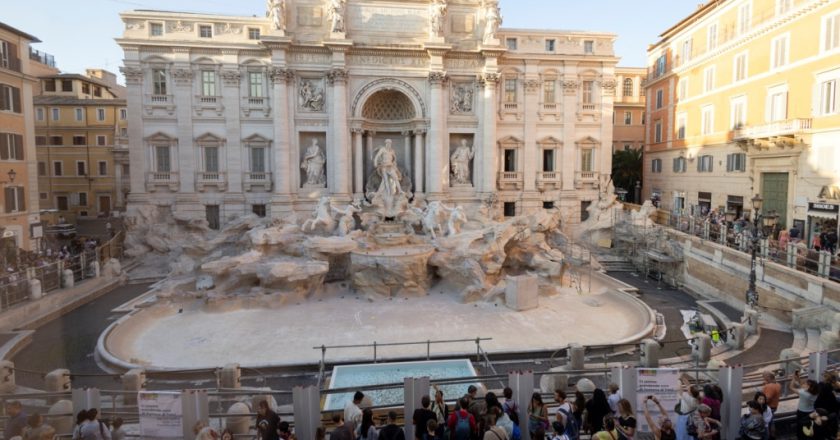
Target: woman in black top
{"type": "Point", "coordinates": [626, 422]}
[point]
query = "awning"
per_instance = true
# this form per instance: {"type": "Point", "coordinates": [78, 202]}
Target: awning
{"type": "Point", "coordinates": [828, 215]}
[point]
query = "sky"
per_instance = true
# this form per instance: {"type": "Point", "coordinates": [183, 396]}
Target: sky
{"type": "Point", "coordinates": [80, 33]}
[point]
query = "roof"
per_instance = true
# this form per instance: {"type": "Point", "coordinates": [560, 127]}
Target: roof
{"type": "Point", "coordinates": [96, 81]}
{"type": "Point", "coordinates": [694, 16]}
{"type": "Point", "coordinates": [69, 100]}
{"type": "Point", "coordinates": [19, 32]}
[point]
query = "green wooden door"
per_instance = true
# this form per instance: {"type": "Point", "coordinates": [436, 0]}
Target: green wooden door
{"type": "Point", "coordinates": [774, 190]}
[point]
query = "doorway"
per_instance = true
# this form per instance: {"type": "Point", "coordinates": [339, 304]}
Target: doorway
{"type": "Point", "coordinates": [774, 191]}
{"type": "Point", "coordinates": [105, 205]}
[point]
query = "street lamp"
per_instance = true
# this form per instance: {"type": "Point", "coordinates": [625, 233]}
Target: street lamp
{"type": "Point", "coordinates": [767, 221]}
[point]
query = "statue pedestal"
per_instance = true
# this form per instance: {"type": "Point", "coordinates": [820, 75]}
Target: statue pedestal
{"type": "Point", "coordinates": [338, 35]}
{"type": "Point", "coordinates": [491, 42]}
{"type": "Point", "coordinates": [462, 185]}
{"type": "Point", "coordinates": [314, 186]}
{"type": "Point", "coordinates": [277, 32]}
{"type": "Point", "coordinates": [436, 40]}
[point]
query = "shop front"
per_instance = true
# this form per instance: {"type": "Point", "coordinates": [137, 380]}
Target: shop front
{"type": "Point", "coordinates": [822, 217]}
{"type": "Point", "coordinates": [735, 204]}
{"type": "Point", "coordinates": [704, 200]}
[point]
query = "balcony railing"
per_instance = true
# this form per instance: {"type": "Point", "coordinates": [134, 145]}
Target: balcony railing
{"type": "Point", "coordinates": [587, 175]}
{"type": "Point", "coordinates": [510, 106]}
{"type": "Point", "coordinates": [255, 103]}
{"type": "Point", "coordinates": [773, 129]}
{"type": "Point", "coordinates": [157, 179]}
{"type": "Point", "coordinates": [41, 57]}
{"type": "Point", "coordinates": [210, 100]}
{"type": "Point", "coordinates": [510, 179]}
{"type": "Point", "coordinates": [587, 107]}
{"type": "Point", "coordinates": [205, 179]}
{"type": "Point", "coordinates": [160, 99]}
{"type": "Point", "coordinates": [548, 179]}
{"type": "Point", "coordinates": [257, 179]}
{"type": "Point", "coordinates": [10, 63]}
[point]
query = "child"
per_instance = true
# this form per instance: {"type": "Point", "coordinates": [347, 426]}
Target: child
{"type": "Point", "coordinates": [558, 431]}
{"type": "Point", "coordinates": [117, 433]}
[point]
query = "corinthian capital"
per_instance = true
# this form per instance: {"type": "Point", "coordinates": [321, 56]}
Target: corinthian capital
{"type": "Point", "coordinates": [437, 78]}
{"type": "Point", "coordinates": [337, 75]}
{"type": "Point", "coordinates": [279, 76]}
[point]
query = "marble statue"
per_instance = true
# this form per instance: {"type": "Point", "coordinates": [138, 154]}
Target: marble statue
{"type": "Point", "coordinates": [385, 162]}
{"type": "Point", "coordinates": [313, 164]}
{"type": "Point", "coordinates": [457, 218]}
{"type": "Point", "coordinates": [322, 216]}
{"type": "Point", "coordinates": [276, 11]}
{"type": "Point", "coordinates": [387, 185]}
{"type": "Point", "coordinates": [311, 97]}
{"type": "Point", "coordinates": [433, 218]}
{"type": "Point", "coordinates": [346, 219]}
{"type": "Point", "coordinates": [336, 14]}
{"type": "Point", "coordinates": [460, 163]}
{"type": "Point", "coordinates": [438, 18]}
{"type": "Point", "coordinates": [462, 99]}
{"type": "Point", "coordinates": [493, 19]}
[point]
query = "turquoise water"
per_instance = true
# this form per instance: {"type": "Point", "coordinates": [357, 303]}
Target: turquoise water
{"type": "Point", "coordinates": [380, 374]}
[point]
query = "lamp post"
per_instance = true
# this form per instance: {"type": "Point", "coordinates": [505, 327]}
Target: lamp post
{"type": "Point", "coordinates": [759, 223]}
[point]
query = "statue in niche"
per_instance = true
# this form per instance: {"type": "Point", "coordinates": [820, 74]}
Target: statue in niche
{"type": "Point", "coordinates": [313, 164]}
{"type": "Point", "coordinates": [385, 162]}
{"type": "Point", "coordinates": [336, 14]}
{"type": "Point", "coordinates": [388, 187]}
{"type": "Point", "coordinates": [311, 97]}
{"type": "Point", "coordinates": [276, 11]}
{"type": "Point", "coordinates": [493, 19]}
{"type": "Point", "coordinates": [462, 99]}
{"type": "Point", "coordinates": [438, 17]}
{"type": "Point", "coordinates": [459, 162]}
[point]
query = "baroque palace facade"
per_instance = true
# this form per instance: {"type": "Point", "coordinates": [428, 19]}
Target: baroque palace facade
{"type": "Point", "coordinates": [232, 115]}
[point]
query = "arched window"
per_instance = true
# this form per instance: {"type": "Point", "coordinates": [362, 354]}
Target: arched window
{"type": "Point", "coordinates": [628, 87]}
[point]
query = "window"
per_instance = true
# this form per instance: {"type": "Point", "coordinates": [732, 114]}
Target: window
{"type": "Point", "coordinates": [548, 205]}
{"type": "Point", "coordinates": [708, 79]}
{"type": "Point", "coordinates": [11, 146]}
{"type": "Point", "coordinates": [643, 118]}
{"type": "Point", "coordinates": [510, 90]}
{"type": "Point", "coordinates": [831, 32]}
{"type": "Point", "coordinates": [685, 52]}
{"type": "Point", "coordinates": [253, 33]}
{"type": "Point", "coordinates": [58, 168]}
{"type": "Point", "coordinates": [62, 203]}
{"type": "Point", "coordinates": [736, 162]}
{"type": "Point", "coordinates": [548, 160]}
{"type": "Point", "coordinates": [100, 114]}
{"type": "Point", "coordinates": [828, 97]}
{"type": "Point", "coordinates": [49, 85]}
{"type": "Point", "coordinates": [211, 159]}
{"type": "Point", "coordinates": [79, 114]}
{"type": "Point", "coordinates": [81, 168]}
{"type": "Point", "coordinates": [679, 165]}
{"type": "Point", "coordinates": [783, 6]}
{"type": "Point", "coordinates": [79, 140]}
{"type": "Point", "coordinates": [83, 199]}
{"type": "Point", "coordinates": [705, 164]}
{"type": "Point", "coordinates": [208, 83]}
{"type": "Point", "coordinates": [103, 168]}
{"type": "Point", "coordinates": [39, 114]}
{"type": "Point", "coordinates": [777, 104]}
{"type": "Point", "coordinates": [97, 91]}
{"type": "Point", "coordinates": [661, 65]}
{"type": "Point", "coordinates": [510, 209]}
{"type": "Point", "coordinates": [56, 140]}
{"type": "Point", "coordinates": [738, 112]}
{"type": "Point", "coordinates": [15, 200]}
{"type": "Point", "coordinates": [660, 94]}
{"type": "Point", "coordinates": [588, 47]}
{"type": "Point", "coordinates": [42, 168]}
{"type": "Point", "coordinates": [584, 210]}
{"type": "Point", "coordinates": [56, 114]}
{"type": "Point", "coordinates": [510, 43]}
{"type": "Point", "coordinates": [158, 81]}
{"type": "Point", "coordinates": [101, 140]}
{"type": "Point", "coordinates": [258, 210]}
{"type": "Point", "coordinates": [711, 36]}
{"type": "Point", "coordinates": [657, 132]}
{"type": "Point", "coordinates": [588, 87]}
{"type": "Point", "coordinates": [156, 29]}
{"type": "Point", "coordinates": [255, 84]}
{"type": "Point", "coordinates": [707, 120]}
{"type": "Point", "coordinates": [739, 67]}
{"type": "Point", "coordinates": [510, 160]}
{"type": "Point", "coordinates": [549, 92]}
{"type": "Point", "coordinates": [779, 51]}
{"type": "Point", "coordinates": [550, 44]}
{"type": "Point", "coordinates": [744, 18]}
{"type": "Point", "coordinates": [40, 141]}
{"type": "Point", "coordinates": [205, 31]}
{"type": "Point", "coordinates": [162, 162]}
{"type": "Point", "coordinates": [123, 114]}
{"type": "Point", "coordinates": [258, 160]}
{"type": "Point", "coordinates": [587, 159]}
{"type": "Point", "coordinates": [213, 218]}
{"type": "Point", "coordinates": [656, 166]}
{"type": "Point", "coordinates": [6, 55]}
{"type": "Point", "coordinates": [628, 118]}
{"type": "Point", "coordinates": [682, 89]}
{"type": "Point", "coordinates": [9, 99]}
{"type": "Point", "coordinates": [86, 88]}
{"type": "Point", "coordinates": [627, 87]}
{"type": "Point", "coordinates": [682, 121]}
{"type": "Point", "coordinates": [66, 85]}
{"type": "Point", "coordinates": [42, 196]}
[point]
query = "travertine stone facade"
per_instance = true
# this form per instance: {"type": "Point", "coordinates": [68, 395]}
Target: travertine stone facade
{"type": "Point", "coordinates": [225, 113]}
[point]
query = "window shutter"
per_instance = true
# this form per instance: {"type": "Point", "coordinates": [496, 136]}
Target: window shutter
{"type": "Point", "coordinates": [4, 98]}
{"type": "Point", "coordinates": [711, 164]}
{"type": "Point", "coordinates": [20, 199]}
{"type": "Point", "coordinates": [729, 162]}
{"type": "Point", "coordinates": [9, 194]}
{"type": "Point", "coordinates": [4, 146]}
{"type": "Point", "coordinates": [15, 99]}
{"type": "Point", "coordinates": [18, 146]}
{"type": "Point", "coordinates": [14, 60]}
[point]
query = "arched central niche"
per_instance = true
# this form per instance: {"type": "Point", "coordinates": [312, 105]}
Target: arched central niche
{"type": "Point", "coordinates": [388, 105]}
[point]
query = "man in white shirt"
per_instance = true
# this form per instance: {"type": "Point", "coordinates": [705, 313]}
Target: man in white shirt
{"type": "Point", "coordinates": [352, 412]}
{"type": "Point", "coordinates": [613, 398]}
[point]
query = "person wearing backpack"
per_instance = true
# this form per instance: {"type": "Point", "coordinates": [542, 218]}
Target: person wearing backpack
{"type": "Point", "coordinates": [494, 432]}
{"type": "Point", "coordinates": [752, 423]}
{"type": "Point", "coordinates": [461, 423]}
{"type": "Point", "coordinates": [565, 415]}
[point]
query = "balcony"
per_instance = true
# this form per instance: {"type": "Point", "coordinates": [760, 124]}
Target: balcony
{"type": "Point", "coordinates": [41, 57]}
{"type": "Point", "coordinates": [252, 104]}
{"type": "Point", "coordinates": [159, 102]}
{"type": "Point", "coordinates": [212, 104]}
{"type": "Point", "coordinates": [10, 63]}
{"type": "Point", "coordinates": [159, 179]}
{"type": "Point", "coordinates": [510, 180]}
{"type": "Point", "coordinates": [587, 108]}
{"type": "Point", "coordinates": [790, 127]}
{"type": "Point", "coordinates": [548, 180]}
{"type": "Point", "coordinates": [586, 178]}
{"type": "Point", "coordinates": [257, 181]}
{"type": "Point", "coordinates": [208, 179]}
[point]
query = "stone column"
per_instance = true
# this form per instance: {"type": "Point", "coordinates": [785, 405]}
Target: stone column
{"type": "Point", "coordinates": [419, 144]}
{"type": "Point", "coordinates": [489, 150]}
{"type": "Point", "coordinates": [435, 158]}
{"type": "Point", "coordinates": [409, 159]}
{"type": "Point", "coordinates": [569, 159]}
{"type": "Point", "coordinates": [530, 152]}
{"type": "Point", "coordinates": [185, 162]}
{"type": "Point", "coordinates": [358, 161]}
{"type": "Point", "coordinates": [119, 197]}
{"type": "Point", "coordinates": [137, 151]}
{"type": "Point", "coordinates": [282, 147]}
{"type": "Point", "coordinates": [340, 165]}
{"type": "Point", "coordinates": [233, 145]}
